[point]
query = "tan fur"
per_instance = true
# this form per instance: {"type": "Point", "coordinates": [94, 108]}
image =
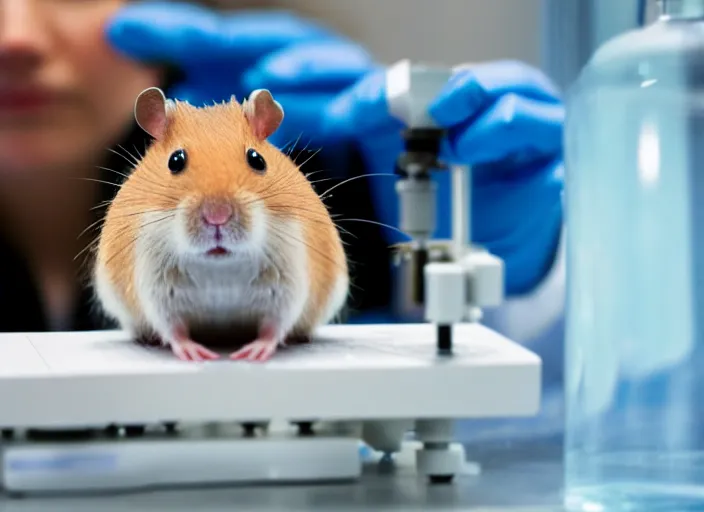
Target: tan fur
{"type": "Point", "coordinates": [216, 139]}
{"type": "Point", "coordinates": [116, 255]}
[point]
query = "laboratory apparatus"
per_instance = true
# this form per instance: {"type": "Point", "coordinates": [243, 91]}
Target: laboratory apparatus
{"type": "Point", "coordinates": [450, 280]}
{"type": "Point", "coordinates": [93, 410]}
{"type": "Point", "coordinates": [635, 266]}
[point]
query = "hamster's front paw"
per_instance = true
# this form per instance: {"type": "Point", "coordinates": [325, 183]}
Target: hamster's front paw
{"type": "Point", "coordinates": [188, 350]}
{"type": "Point", "coordinates": [262, 348]}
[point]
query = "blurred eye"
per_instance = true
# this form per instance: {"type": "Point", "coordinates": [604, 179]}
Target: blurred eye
{"type": "Point", "coordinates": [255, 160]}
{"type": "Point", "coordinates": [177, 161]}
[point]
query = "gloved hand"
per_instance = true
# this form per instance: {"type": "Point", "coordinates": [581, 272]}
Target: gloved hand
{"type": "Point", "coordinates": [235, 53]}
{"type": "Point", "coordinates": [505, 120]}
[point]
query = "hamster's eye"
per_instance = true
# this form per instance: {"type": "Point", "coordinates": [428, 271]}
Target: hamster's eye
{"type": "Point", "coordinates": [177, 161]}
{"type": "Point", "coordinates": [255, 160]}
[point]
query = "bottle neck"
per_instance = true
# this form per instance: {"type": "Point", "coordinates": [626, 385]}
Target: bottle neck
{"type": "Point", "coordinates": [681, 9]}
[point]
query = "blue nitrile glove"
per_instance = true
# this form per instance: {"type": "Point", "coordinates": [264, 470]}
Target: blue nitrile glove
{"type": "Point", "coordinates": [505, 120]}
{"type": "Point", "coordinates": [235, 53]}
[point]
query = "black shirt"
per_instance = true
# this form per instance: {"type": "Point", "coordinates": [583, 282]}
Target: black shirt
{"type": "Point", "coordinates": [21, 308]}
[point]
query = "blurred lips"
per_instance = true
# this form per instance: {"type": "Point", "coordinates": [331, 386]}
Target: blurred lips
{"type": "Point", "coordinates": [25, 99]}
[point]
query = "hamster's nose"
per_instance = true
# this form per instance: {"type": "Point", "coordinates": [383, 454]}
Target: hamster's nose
{"type": "Point", "coordinates": [216, 213]}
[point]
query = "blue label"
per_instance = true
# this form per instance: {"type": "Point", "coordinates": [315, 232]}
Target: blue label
{"type": "Point", "coordinates": [62, 462]}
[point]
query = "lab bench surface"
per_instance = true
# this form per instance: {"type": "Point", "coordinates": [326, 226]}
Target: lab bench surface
{"type": "Point", "coordinates": [522, 476]}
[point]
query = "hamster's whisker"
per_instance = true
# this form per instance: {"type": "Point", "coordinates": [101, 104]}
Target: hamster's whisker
{"type": "Point", "coordinates": [272, 195]}
{"type": "Point", "coordinates": [102, 204]}
{"type": "Point", "coordinates": [323, 221]}
{"type": "Point", "coordinates": [286, 236]}
{"type": "Point", "coordinates": [91, 245]}
{"type": "Point", "coordinates": [108, 202]}
{"type": "Point", "coordinates": [114, 171]}
{"type": "Point", "coordinates": [157, 184]}
{"type": "Point", "coordinates": [135, 160]}
{"type": "Point", "coordinates": [297, 214]}
{"type": "Point", "coordinates": [133, 163]}
{"type": "Point", "coordinates": [293, 148]}
{"type": "Point", "coordinates": [123, 157]}
{"type": "Point", "coordinates": [378, 224]}
{"type": "Point", "coordinates": [140, 155]}
{"type": "Point", "coordinates": [326, 194]}
{"type": "Point", "coordinates": [154, 183]}
{"type": "Point", "coordinates": [146, 185]}
{"type": "Point", "coordinates": [144, 191]}
{"type": "Point", "coordinates": [160, 219]}
{"type": "Point", "coordinates": [323, 179]}
{"type": "Point", "coordinates": [102, 220]}
{"type": "Point", "coordinates": [305, 148]}
{"type": "Point", "coordinates": [314, 172]}
{"type": "Point", "coordinates": [310, 158]}
{"type": "Point", "coordinates": [276, 183]}
{"type": "Point", "coordinates": [91, 226]}
{"type": "Point", "coordinates": [282, 178]}
{"type": "Point", "coordinates": [155, 179]}
{"type": "Point", "coordinates": [340, 228]}
{"type": "Point", "coordinates": [118, 185]}
{"type": "Point", "coordinates": [278, 188]}
{"type": "Point", "coordinates": [136, 238]}
{"type": "Point", "coordinates": [123, 249]}
{"type": "Point", "coordinates": [280, 185]}
{"type": "Point", "coordinates": [295, 141]}
{"type": "Point", "coordinates": [299, 209]}
{"type": "Point", "coordinates": [157, 210]}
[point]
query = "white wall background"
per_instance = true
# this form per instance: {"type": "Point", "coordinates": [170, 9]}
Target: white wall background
{"type": "Point", "coordinates": [444, 31]}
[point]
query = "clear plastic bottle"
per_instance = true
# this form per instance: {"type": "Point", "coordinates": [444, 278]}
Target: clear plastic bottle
{"type": "Point", "coordinates": [634, 153]}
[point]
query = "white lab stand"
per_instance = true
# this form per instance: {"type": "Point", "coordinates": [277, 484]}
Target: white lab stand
{"type": "Point", "coordinates": [360, 381]}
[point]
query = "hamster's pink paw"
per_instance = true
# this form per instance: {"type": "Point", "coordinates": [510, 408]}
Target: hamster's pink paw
{"type": "Point", "coordinates": [262, 348]}
{"type": "Point", "coordinates": [188, 350]}
{"type": "Point", "coordinates": [259, 350]}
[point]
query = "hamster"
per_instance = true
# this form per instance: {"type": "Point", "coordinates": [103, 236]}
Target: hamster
{"type": "Point", "coordinates": [217, 228]}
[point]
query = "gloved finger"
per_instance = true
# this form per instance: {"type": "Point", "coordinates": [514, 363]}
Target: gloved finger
{"type": "Point", "coordinates": [514, 127]}
{"type": "Point", "coordinates": [311, 66]}
{"type": "Point", "coordinates": [361, 110]}
{"type": "Point", "coordinates": [473, 88]}
{"type": "Point", "coordinates": [183, 34]}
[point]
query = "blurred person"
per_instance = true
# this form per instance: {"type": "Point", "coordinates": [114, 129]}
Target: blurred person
{"type": "Point", "coordinates": [69, 76]}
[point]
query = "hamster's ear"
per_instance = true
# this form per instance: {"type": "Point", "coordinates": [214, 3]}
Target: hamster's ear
{"type": "Point", "coordinates": [151, 111]}
{"type": "Point", "coordinates": [263, 113]}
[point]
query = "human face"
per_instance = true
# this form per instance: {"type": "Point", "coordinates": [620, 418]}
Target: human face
{"type": "Point", "coordinates": [65, 95]}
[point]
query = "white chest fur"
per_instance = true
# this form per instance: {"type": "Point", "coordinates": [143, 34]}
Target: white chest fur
{"type": "Point", "coordinates": [257, 282]}
{"type": "Point", "coordinates": [244, 286]}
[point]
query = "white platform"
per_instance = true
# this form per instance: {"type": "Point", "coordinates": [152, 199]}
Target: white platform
{"type": "Point", "coordinates": [146, 462]}
{"type": "Point", "coordinates": [359, 373]}
{"type": "Point", "coordinates": [348, 372]}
